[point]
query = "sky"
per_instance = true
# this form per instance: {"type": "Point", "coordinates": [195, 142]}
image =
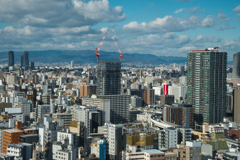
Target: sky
{"type": "Point", "coordinates": [159, 27]}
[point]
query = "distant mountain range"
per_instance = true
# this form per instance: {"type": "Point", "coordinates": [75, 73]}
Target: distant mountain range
{"type": "Point", "coordinates": [87, 56]}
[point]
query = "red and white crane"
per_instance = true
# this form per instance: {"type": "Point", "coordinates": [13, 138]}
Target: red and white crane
{"type": "Point", "coordinates": [97, 49]}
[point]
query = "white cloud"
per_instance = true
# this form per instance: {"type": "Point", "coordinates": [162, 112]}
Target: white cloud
{"type": "Point", "coordinates": [168, 24]}
{"type": "Point", "coordinates": [190, 10]}
{"type": "Point", "coordinates": [201, 38]}
{"type": "Point", "coordinates": [208, 22]}
{"type": "Point", "coordinates": [237, 9]}
{"type": "Point", "coordinates": [222, 17]}
{"type": "Point", "coordinates": [59, 13]}
{"type": "Point", "coordinates": [226, 26]}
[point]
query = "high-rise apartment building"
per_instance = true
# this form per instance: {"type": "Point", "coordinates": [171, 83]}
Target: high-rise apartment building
{"type": "Point", "coordinates": [108, 78]}
{"type": "Point", "coordinates": [236, 106]}
{"type": "Point", "coordinates": [206, 84]}
{"type": "Point", "coordinates": [119, 108]}
{"type": "Point", "coordinates": [236, 65]}
{"type": "Point", "coordinates": [167, 138]}
{"type": "Point", "coordinates": [10, 58]}
{"type": "Point", "coordinates": [113, 135]}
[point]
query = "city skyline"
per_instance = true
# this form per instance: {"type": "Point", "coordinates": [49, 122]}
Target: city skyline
{"type": "Point", "coordinates": [161, 27]}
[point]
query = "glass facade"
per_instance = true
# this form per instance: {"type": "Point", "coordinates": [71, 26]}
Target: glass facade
{"type": "Point", "coordinates": [206, 85]}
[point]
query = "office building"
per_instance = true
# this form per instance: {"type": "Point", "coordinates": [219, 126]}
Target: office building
{"type": "Point", "coordinates": [10, 58]}
{"type": "Point", "coordinates": [22, 59]}
{"type": "Point", "coordinates": [236, 65]}
{"type": "Point", "coordinates": [206, 84]}
{"type": "Point", "coordinates": [113, 135]}
{"type": "Point", "coordinates": [108, 78]}
{"type": "Point", "coordinates": [119, 108]}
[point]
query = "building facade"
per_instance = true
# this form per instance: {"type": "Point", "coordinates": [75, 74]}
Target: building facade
{"type": "Point", "coordinates": [108, 78]}
{"type": "Point", "coordinates": [206, 84]}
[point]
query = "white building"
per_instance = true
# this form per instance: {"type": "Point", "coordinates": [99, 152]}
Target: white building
{"type": "Point", "coordinates": [178, 91]}
{"type": "Point", "coordinates": [113, 135]}
{"type": "Point", "coordinates": [168, 138]}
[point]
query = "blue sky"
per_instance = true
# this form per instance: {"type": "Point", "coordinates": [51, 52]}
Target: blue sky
{"type": "Point", "coordinates": [160, 27]}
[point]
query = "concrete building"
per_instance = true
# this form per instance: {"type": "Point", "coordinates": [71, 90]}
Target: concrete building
{"type": "Point", "coordinates": [12, 79]}
{"type": "Point", "coordinates": [167, 138]}
{"type": "Point", "coordinates": [179, 91]}
{"type": "Point", "coordinates": [149, 96]}
{"type": "Point", "coordinates": [236, 65]}
{"type": "Point", "coordinates": [236, 106]}
{"type": "Point", "coordinates": [113, 135]}
{"type": "Point", "coordinates": [103, 106]}
{"type": "Point", "coordinates": [98, 148]}
{"type": "Point", "coordinates": [88, 90]}
{"type": "Point", "coordinates": [180, 114]}
{"type": "Point", "coordinates": [190, 151]}
{"type": "Point", "coordinates": [137, 141]}
{"type": "Point", "coordinates": [20, 150]}
{"type": "Point", "coordinates": [136, 101]}
{"type": "Point", "coordinates": [167, 99]}
{"type": "Point", "coordinates": [206, 84]}
{"type": "Point", "coordinates": [10, 136]}
{"type": "Point", "coordinates": [150, 154]}
{"type": "Point", "coordinates": [184, 134]}
{"type": "Point", "coordinates": [41, 110]}
{"type": "Point", "coordinates": [108, 78]}
{"type": "Point", "coordinates": [119, 108]}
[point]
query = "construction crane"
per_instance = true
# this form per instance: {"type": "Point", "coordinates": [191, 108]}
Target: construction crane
{"type": "Point", "coordinates": [121, 53]}
{"type": "Point", "coordinates": [98, 49]}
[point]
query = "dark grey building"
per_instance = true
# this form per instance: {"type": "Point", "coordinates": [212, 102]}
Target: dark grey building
{"type": "Point", "coordinates": [236, 65]}
{"type": "Point", "coordinates": [32, 66]}
{"type": "Point", "coordinates": [22, 57]}
{"type": "Point", "coordinates": [26, 60]}
{"type": "Point", "coordinates": [108, 78]}
{"type": "Point", "coordinates": [206, 84]}
{"type": "Point", "coordinates": [10, 58]}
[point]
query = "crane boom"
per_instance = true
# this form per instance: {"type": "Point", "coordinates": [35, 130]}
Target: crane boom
{"type": "Point", "coordinates": [100, 45]}
{"type": "Point", "coordinates": [121, 53]}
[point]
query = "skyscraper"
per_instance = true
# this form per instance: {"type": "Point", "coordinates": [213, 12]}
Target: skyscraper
{"type": "Point", "coordinates": [206, 84]}
{"type": "Point", "coordinates": [10, 58]}
{"type": "Point", "coordinates": [25, 60]}
{"type": "Point", "coordinates": [236, 65]}
{"type": "Point", "coordinates": [108, 78]}
{"type": "Point", "coordinates": [22, 57]}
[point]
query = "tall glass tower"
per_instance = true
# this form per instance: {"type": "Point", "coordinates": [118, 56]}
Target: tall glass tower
{"type": "Point", "coordinates": [206, 84]}
{"type": "Point", "coordinates": [10, 58]}
{"type": "Point", "coordinates": [108, 78]}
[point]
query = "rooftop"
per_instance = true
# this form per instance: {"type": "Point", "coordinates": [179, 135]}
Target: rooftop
{"type": "Point", "coordinates": [152, 151]}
